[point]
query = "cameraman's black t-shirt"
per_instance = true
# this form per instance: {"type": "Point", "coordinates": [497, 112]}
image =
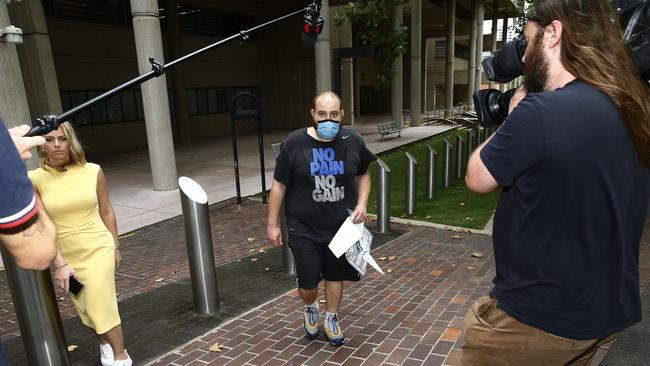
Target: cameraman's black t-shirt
{"type": "Point", "coordinates": [570, 217]}
{"type": "Point", "coordinates": [321, 180]}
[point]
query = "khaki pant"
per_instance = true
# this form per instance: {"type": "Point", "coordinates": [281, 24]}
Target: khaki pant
{"type": "Point", "coordinates": [494, 338]}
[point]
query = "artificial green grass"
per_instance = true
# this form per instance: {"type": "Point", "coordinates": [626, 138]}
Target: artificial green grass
{"type": "Point", "coordinates": [455, 206]}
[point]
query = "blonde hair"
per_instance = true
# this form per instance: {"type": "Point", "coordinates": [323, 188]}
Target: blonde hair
{"type": "Point", "coordinates": [77, 153]}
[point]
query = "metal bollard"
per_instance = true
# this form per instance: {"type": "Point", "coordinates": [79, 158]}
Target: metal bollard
{"type": "Point", "coordinates": [38, 315]}
{"type": "Point", "coordinates": [470, 143]}
{"type": "Point", "coordinates": [432, 165]}
{"type": "Point", "coordinates": [411, 177]}
{"type": "Point", "coordinates": [288, 264]}
{"type": "Point", "coordinates": [198, 238]}
{"type": "Point", "coordinates": [460, 151]}
{"type": "Point", "coordinates": [446, 169]}
{"type": "Point", "coordinates": [383, 197]}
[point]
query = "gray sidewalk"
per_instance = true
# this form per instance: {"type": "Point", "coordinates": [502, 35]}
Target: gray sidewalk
{"type": "Point", "coordinates": [210, 163]}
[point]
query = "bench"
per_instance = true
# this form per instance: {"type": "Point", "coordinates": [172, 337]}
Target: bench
{"type": "Point", "coordinates": [387, 128]}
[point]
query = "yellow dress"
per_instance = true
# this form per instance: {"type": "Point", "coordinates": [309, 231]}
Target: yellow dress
{"type": "Point", "coordinates": [70, 198]}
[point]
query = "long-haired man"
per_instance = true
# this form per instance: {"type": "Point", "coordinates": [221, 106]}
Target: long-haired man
{"type": "Point", "coordinates": [572, 161]}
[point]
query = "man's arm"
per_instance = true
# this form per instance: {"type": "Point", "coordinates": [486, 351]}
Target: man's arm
{"type": "Point", "coordinates": [25, 144]}
{"type": "Point", "coordinates": [32, 244]}
{"type": "Point", "coordinates": [364, 183]}
{"type": "Point", "coordinates": [478, 178]}
{"type": "Point", "coordinates": [273, 232]}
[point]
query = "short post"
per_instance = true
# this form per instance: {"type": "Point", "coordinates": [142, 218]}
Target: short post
{"type": "Point", "coordinates": [288, 264]}
{"type": "Point", "coordinates": [432, 165]}
{"type": "Point", "coordinates": [38, 315]}
{"type": "Point", "coordinates": [383, 197]}
{"type": "Point", "coordinates": [479, 135]}
{"type": "Point", "coordinates": [446, 157]}
{"type": "Point", "coordinates": [470, 142]}
{"type": "Point", "coordinates": [411, 177]}
{"type": "Point", "coordinates": [460, 151]}
{"type": "Point", "coordinates": [198, 238]}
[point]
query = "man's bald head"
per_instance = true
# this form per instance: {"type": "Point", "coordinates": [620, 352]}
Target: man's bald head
{"type": "Point", "coordinates": [327, 94]}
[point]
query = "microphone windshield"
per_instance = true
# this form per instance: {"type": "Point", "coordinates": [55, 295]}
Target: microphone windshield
{"type": "Point", "coordinates": [309, 39]}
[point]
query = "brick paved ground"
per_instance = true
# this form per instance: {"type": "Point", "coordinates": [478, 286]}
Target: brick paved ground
{"type": "Point", "coordinates": [158, 252]}
{"type": "Point", "coordinates": [412, 316]}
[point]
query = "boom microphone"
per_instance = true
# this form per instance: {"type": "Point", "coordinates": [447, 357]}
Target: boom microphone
{"type": "Point", "coordinates": [313, 25]}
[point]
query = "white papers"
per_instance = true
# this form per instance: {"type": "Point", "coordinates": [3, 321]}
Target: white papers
{"type": "Point", "coordinates": [355, 241]}
{"type": "Point", "coordinates": [347, 235]}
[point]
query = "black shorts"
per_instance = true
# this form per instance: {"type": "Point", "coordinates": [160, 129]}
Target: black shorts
{"type": "Point", "coordinates": [315, 261]}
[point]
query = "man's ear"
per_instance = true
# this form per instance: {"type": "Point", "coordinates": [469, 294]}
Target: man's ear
{"type": "Point", "coordinates": [555, 30]}
{"type": "Point", "coordinates": [312, 112]}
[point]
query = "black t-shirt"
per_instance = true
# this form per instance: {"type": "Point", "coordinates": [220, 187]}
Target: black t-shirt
{"type": "Point", "coordinates": [570, 217]}
{"type": "Point", "coordinates": [321, 180]}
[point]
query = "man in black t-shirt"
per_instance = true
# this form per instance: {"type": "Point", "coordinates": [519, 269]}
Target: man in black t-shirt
{"type": "Point", "coordinates": [572, 161]}
{"type": "Point", "coordinates": [320, 174]}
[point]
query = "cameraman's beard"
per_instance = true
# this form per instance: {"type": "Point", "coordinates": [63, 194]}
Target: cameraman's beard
{"type": "Point", "coordinates": [536, 70]}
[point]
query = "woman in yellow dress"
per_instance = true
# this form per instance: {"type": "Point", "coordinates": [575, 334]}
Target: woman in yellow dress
{"type": "Point", "coordinates": [74, 194]}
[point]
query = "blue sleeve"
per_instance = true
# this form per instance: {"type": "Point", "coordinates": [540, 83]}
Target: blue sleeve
{"type": "Point", "coordinates": [518, 144]}
{"type": "Point", "coordinates": [17, 201]}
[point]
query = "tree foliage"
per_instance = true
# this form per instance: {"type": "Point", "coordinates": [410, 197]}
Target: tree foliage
{"type": "Point", "coordinates": [388, 42]}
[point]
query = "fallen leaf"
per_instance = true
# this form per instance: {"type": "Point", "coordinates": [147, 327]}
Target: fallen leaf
{"type": "Point", "coordinates": [392, 258]}
{"type": "Point", "coordinates": [477, 255]}
{"type": "Point", "coordinates": [403, 216]}
{"type": "Point", "coordinates": [216, 347]}
{"type": "Point", "coordinates": [267, 268]}
{"type": "Point", "coordinates": [253, 259]}
{"type": "Point", "coordinates": [251, 251]}
{"type": "Point", "coordinates": [456, 237]}
{"type": "Point", "coordinates": [428, 217]}
{"type": "Point", "coordinates": [415, 217]}
{"type": "Point", "coordinates": [453, 265]}
{"type": "Point", "coordinates": [173, 273]}
{"type": "Point", "coordinates": [471, 268]}
{"type": "Point", "coordinates": [390, 270]}
{"type": "Point", "coordinates": [262, 250]}
{"type": "Point", "coordinates": [126, 236]}
{"type": "Point", "coordinates": [159, 279]}
{"type": "Point", "coordinates": [469, 219]}
{"type": "Point", "coordinates": [72, 347]}
{"type": "Point", "coordinates": [462, 204]}
{"type": "Point", "coordinates": [220, 233]}
{"type": "Point", "coordinates": [382, 258]}
{"type": "Point", "coordinates": [250, 240]}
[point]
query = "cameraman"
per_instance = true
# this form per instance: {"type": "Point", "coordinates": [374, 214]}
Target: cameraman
{"type": "Point", "coordinates": [572, 160]}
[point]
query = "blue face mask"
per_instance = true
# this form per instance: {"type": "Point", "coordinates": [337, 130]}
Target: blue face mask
{"type": "Point", "coordinates": [328, 129]}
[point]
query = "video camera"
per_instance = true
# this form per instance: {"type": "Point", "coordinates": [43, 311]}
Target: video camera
{"type": "Point", "coordinates": [505, 65]}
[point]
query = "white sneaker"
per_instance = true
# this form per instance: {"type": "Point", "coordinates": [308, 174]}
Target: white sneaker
{"type": "Point", "coordinates": [127, 362]}
{"type": "Point", "coordinates": [106, 354]}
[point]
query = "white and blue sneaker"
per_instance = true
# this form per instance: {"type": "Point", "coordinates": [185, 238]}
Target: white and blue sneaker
{"type": "Point", "coordinates": [311, 317]}
{"type": "Point", "coordinates": [333, 330]}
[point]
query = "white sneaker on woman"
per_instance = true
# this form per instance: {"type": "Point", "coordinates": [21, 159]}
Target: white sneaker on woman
{"type": "Point", "coordinates": [127, 362]}
{"type": "Point", "coordinates": [106, 354]}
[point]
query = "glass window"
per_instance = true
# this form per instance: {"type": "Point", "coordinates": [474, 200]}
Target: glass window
{"type": "Point", "coordinates": [212, 101]}
{"type": "Point", "coordinates": [77, 98]}
{"type": "Point", "coordinates": [140, 106]}
{"type": "Point", "coordinates": [114, 109]}
{"type": "Point", "coordinates": [129, 105]}
{"type": "Point", "coordinates": [202, 101]}
{"type": "Point", "coordinates": [222, 100]}
{"type": "Point", "coordinates": [191, 102]}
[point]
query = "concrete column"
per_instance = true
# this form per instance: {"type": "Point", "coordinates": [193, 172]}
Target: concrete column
{"type": "Point", "coordinates": [183, 127]}
{"type": "Point", "coordinates": [341, 37]}
{"type": "Point", "coordinates": [14, 109]}
{"type": "Point", "coordinates": [36, 58]}
{"type": "Point", "coordinates": [451, 41]}
{"type": "Point", "coordinates": [416, 61]}
{"type": "Point", "coordinates": [471, 70]}
{"type": "Point", "coordinates": [495, 23]}
{"type": "Point", "coordinates": [479, 43]}
{"type": "Point", "coordinates": [323, 51]}
{"type": "Point", "coordinates": [148, 42]}
{"type": "Point", "coordinates": [357, 90]}
{"type": "Point", "coordinates": [396, 84]}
